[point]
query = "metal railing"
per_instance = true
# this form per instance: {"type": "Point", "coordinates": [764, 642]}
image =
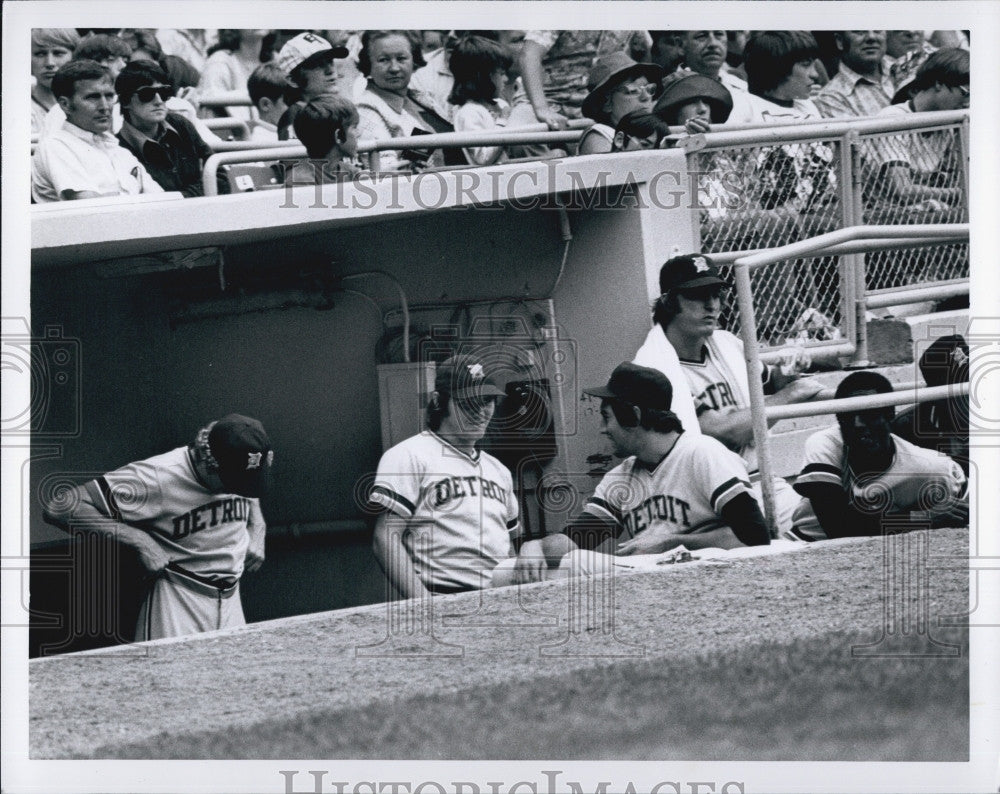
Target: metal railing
{"type": "Point", "coordinates": [744, 294]}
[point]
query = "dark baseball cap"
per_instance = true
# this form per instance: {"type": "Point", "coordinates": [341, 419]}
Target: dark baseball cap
{"type": "Point", "coordinates": [243, 451]}
{"type": "Point", "coordinates": [465, 378]}
{"type": "Point", "coordinates": [642, 386]}
{"type": "Point", "coordinates": [687, 272]}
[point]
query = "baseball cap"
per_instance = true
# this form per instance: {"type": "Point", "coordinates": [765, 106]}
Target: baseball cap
{"type": "Point", "coordinates": [687, 272]}
{"type": "Point", "coordinates": [465, 377]}
{"type": "Point", "coordinates": [641, 386]}
{"type": "Point", "coordinates": [307, 48]}
{"type": "Point", "coordinates": [243, 451]}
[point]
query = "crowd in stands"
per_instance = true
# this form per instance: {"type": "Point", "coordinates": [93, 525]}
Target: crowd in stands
{"type": "Point", "coordinates": [634, 85]}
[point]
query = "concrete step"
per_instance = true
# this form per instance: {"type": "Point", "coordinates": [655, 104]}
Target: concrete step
{"type": "Point", "coordinates": [902, 336]}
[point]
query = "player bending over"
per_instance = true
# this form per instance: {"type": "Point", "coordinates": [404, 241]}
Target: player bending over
{"type": "Point", "coordinates": [858, 478]}
{"type": "Point", "coordinates": [672, 488]}
{"type": "Point", "coordinates": [193, 517]}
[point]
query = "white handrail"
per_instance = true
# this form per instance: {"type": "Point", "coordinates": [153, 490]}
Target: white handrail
{"type": "Point", "coordinates": [850, 404]}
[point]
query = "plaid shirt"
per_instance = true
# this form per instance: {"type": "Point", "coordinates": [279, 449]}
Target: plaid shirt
{"type": "Point", "coordinates": [851, 94]}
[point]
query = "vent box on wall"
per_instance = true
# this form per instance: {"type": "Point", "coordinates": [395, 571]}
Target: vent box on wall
{"type": "Point", "coordinates": [403, 390]}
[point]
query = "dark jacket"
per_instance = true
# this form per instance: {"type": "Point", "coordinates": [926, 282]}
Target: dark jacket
{"type": "Point", "coordinates": [175, 158]}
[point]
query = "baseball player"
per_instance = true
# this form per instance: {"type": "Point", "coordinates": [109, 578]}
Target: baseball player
{"type": "Point", "coordinates": [672, 488]}
{"type": "Point", "coordinates": [858, 478]}
{"type": "Point", "coordinates": [686, 341]}
{"type": "Point", "coordinates": [193, 517]}
{"type": "Point", "coordinates": [448, 511]}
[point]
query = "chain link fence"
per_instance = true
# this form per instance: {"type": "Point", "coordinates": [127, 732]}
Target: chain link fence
{"type": "Point", "coordinates": [760, 195]}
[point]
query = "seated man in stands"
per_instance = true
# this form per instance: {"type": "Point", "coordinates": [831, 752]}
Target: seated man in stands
{"type": "Point", "coordinates": [82, 159]}
{"type": "Point", "coordinates": [328, 127]}
{"type": "Point", "coordinates": [268, 86]}
{"type": "Point", "coordinates": [165, 142]}
{"type": "Point", "coordinates": [860, 479]}
{"type": "Point", "coordinates": [673, 488]}
{"type": "Point", "coordinates": [923, 167]}
{"type": "Point", "coordinates": [863, 84]}
{"type": "Point", "coordinates": [688, 346]}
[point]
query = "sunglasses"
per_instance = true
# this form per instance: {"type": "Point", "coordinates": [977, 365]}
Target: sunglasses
{"type": "Point", "coordinates": [963, 89]}
{"type": "Point", "coordinates": [637, 91]}
{"type": "Point", "coordinates": [704, 293]}
{"type": "Point", "coordinates": [148, 92]}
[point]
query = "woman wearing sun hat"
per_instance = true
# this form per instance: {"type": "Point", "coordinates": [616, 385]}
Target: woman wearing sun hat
{"type": "Point", "coordinates": [693, 100]}
{"type": "Point", "coordinates": [618, 85]}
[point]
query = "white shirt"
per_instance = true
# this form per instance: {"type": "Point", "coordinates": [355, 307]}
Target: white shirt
{"type": "Point", "coordinates": [74, 159]}
{"type": "Point", "coordinates": [435, 80]}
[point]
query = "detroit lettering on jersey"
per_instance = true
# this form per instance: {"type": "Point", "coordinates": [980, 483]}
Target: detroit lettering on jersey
{"type": "Point", "coordinates": [211, 514]}
{"type": "Point", "coordinates": [716, 397]}
{"type": "Point", "coordinates": [451, 488]}
{"type": "Point", "coordinates": [657, 507]}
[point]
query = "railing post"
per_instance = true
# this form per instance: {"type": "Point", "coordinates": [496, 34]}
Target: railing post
{"type": "Point", "coordinates": [751, 352]}
{"type": "Point", "coordinates": [963, 171]}
{"type": "Point", "coordinates": [855, 299]}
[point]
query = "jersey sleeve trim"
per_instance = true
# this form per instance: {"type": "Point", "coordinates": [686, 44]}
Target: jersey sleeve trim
{"type": "Point", "coordinates": [512, 524]}
{"type": "Point", "coordinates": [731, 488]}
{"type": "Point", "coordinates": [599, 506]}
{"type": "Point", "coordinates": [104, 498]}
{"type": "Point", "coordinates": [391, 500]}
{"type": "Point", "coordinates": [819, 473]}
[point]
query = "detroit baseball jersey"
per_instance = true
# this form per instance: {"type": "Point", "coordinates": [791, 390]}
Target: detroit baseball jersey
{"type": "Point", "coordinates": [460, 511]}
{"type": "Point", "coordinates": [684, 493]}
{"type": "Point", "coordinates": [910, 483]}
{"type": "Point", "coordinates": [203, 533]}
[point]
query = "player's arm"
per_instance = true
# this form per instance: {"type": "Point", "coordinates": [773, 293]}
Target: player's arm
{"type": "Point", "coordinates": [392, 556]}
{"type": "Point", "coordinates": [835, 514]}
{"type": "Point", "coordinates": [87, 513]}
{"type": "Point", "coordinates": [257, 529]}
{"type": "Point", "coordinates": [587, 531]}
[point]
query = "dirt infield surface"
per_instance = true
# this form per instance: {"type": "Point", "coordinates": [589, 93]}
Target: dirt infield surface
{"type": "Point", "coordinates": [775, 658]}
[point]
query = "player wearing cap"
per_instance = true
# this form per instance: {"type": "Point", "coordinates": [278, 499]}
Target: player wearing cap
{"type": "Point", "coordinates": [307, 59]}
{"type": "Point", "coordinates": [672, 488]}
{"type": "Point", "coordinates": [860, 479]}
{"type": "Point", "coordinates": [193, 517]}
{"type": "Point", "coordinates": [686, 341]}
{"type": "Point", "coordinates": [448, 510]}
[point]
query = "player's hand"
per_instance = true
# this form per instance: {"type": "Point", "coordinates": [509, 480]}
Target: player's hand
{"type": "Point", "coordinates": [530, 565]}
{"type": "Point", "coordinates": [802, 390]}
{"type": "Point", "coordinates": [650, 541]}
{"type": "Point", "coordinates": [555, 121]}
{"type": "Point", "coordinates": [253, 560]}
{"type": "Point", "coordinates": [153, 558]}
{"type": "Point", "coordinates": [696, 126]}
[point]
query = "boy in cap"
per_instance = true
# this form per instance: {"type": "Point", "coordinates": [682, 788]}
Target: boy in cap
{"type": "Point", "coordinates": [859, 479]}
{"type": "Point", "coordinates": [193, 517]}
{"type": "Point", "coordinates": [307, 59]}
{"type": "Point", "coordinates": [448, 511]}
{"type": "Point", "coordinates": [672, 488]}
{"type": "Point", "coordinates": [687, 344]}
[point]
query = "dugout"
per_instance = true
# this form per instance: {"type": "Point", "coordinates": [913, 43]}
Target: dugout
{"type": "Point", "coordinates": [168, 313]}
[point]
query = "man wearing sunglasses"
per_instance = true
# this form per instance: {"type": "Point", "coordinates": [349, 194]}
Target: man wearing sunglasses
{"type": "Point", "coordinates": [82, 159]}
{"type": "Point", "coordinates": [165, 142]}
{"type": "Point", "coordinates": [687, 344]}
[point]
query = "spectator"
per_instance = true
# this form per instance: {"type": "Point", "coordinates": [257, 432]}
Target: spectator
{"type": "Point", "coordinates": [688, 346]}
{"type": "Point", "coordinates": [191, 44]}
{"type": "Point", "coordinates": [693, 101]}
{"type": "Point", "coordinates": [388, 108]}
{"type": "Point", "coordinates": [432, 41]}
{"type": "Point", "coordinates": [166, 143]}
{"type": "Point", "coordinates": [228, 67]}
{"type": "Point", "coordinates": [109, 51]}
{"type": "Point", "coordinates": [942, 425]}
{"type": "Point", "coordinates": [859, 479]}
{"type": "Point", "coordinates": [308, 60]}
{"type": "Point", "coordinates": [328, 127]}
{"type": "Point", "coordinates": [863, 84]}
{"type": "Point", "coordinates": [673, 487]}
{"type": "Point", "coordinates": [268, 87]}
{"type": "Point", "coordinates": [782, 75]}
{"type": "Point", "coordinates": [143, 44]}
{"type": "Point", "coordinates": [638, 130]}
{"type": "Point", "coordinates": [479, 67]}
{"type": "Point", "coordinates": [182, 74]}
{"type": "Point", "coordinates": [51, 48]}
{"type": "Point", "coordinates": [736, 42]}
{"type": "Point", "coordinates": [434, 78]}
{"type": "Point", "coordinates": [705, 53]}
{"type": "Point", "coordinates": [921, 169]}
{"type": "Point", "coordinates": [82, 159]}
{"type": "Point", "coordinates": [667, 49]}
{"type": "Point", "coordinates": [448, 510]}
{"type": "Point", "coordinates": [617, 85]}
{"type": "Point", "coordinates": [899, 43]}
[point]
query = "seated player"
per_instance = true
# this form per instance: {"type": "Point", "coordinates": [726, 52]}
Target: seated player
{"type": "Point", "coordinates": [166, 143]}
{"type": "Point", "coordinates": [448, 510]}
{"type": "Point", "coordinates": [686, 343]}
{"type": "Point", "coordinates": [941, 424]}
{"type": "Point", "coordinates": [673, 488]}
{"type": "Point", "coordinates": [268, 86]}
{"type": "Point", "coordinates": [82, 159]}
{"type": "Point", "coordinates": [328, 127]}
{"type": "Point", "coordinates": [859, 479]}
{"type": "Point", "coordinates": [193, 517]}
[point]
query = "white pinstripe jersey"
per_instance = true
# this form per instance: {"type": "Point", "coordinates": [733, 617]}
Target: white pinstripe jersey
{"type": "Point", "coordinates": [204, 532]}
{"type": "Point", "coordinates": [684, 493]}
{"type": "Point", "coordinates": [460, 510]}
